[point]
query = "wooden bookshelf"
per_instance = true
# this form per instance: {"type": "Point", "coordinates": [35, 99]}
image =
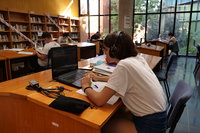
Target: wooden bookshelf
{"type": "Point", "coordinates": [64, 23]}
{"type": "Point", "coordinates": [75, 29]}
{"type": "Point", "coordinates": [29, 23]}
{"type": "Point", "coordinates": [5, 37]}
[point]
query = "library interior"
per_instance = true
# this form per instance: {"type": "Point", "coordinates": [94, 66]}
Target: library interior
{"type": "Point", "coordinates": [98, 66]}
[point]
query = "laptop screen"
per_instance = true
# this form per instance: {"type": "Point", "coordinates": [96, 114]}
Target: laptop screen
{"type": "Point", "coordinates": [64, 59]}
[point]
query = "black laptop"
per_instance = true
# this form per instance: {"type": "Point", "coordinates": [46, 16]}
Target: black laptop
{"type": "Point", "coordinates": [65, 65]}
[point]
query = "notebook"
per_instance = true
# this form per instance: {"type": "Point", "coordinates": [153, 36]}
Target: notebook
{"type": "Point", "coordinates": [65, 66]}
{"type": "Point", "coordinates": [104, 69]}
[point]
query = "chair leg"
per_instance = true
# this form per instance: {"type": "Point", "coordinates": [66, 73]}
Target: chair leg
{"type": "Point", "coordinates": [166, 90]}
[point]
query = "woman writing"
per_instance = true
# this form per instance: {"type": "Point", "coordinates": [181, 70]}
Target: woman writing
{"type": "Point", "coordinates": [135, 83]}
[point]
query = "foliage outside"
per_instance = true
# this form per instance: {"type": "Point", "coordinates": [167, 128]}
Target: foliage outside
{"type": "Point", "coordinates": [167, 21]}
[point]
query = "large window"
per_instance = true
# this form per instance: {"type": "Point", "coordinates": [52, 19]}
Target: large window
{"type": "Point", "coordinates": [157, 18]}
{"type": "Point", "coordinates": [101, 15]}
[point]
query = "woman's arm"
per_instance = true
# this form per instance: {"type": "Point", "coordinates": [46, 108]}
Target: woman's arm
{"type": "Point", "coordinates": [97, 78]}
{"type": "Point", "coordinates": [99, 98]}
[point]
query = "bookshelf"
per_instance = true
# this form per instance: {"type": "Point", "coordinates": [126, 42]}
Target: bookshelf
{"type": "Point", "coordinates": [5, 40]}
{"type": "Point", "coordinates": [75, 28]}
{"type": "Point", "coordinates": [30, 23]}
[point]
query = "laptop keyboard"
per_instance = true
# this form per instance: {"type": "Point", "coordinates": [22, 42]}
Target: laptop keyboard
{"type": "Point", "coordinates": [73, 76]}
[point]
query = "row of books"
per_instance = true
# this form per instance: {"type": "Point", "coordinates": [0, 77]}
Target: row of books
{"type": "Point", "coordinates": [3, 38]}
{"type": "Point", "coordinates": [20, 27]}
{"type": "Point", "coordinates": [1, 16]}
{"type": "Point", "coordinates": [36, 27]}
{"type": "Point", "coordinates": [49, 21]}
{"type": "Point", "coordinates": [34, 36]}
{"type": "Point", "coordinates": [3, 46]}
{"type": "Point", "coordinates": [36, 19]}
{"type": "Point", "coordinates": [2, 27]}
{"type": "Point", "coordinates": [73, 22]}
{"type": "Point", "coordinates": [63, 21]}
{"type": "Point", "coordinates": [74, 35]}
{"type": "Point", "coordinates": [39, 44]}
{"type": "Point", "coordinates": [19, 45]}
{"type": "Point", "coordinates": [64, 28]}
{"type": "Point", "coordinates": [74, 29]}
{"type": "Point", "coordinates": [17, 38]}
{"type": "Point", "coordinates": [49, 28]}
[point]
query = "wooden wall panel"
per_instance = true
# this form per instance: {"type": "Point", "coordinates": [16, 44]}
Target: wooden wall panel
{"type": "Point", "coordinates": [44, 6]}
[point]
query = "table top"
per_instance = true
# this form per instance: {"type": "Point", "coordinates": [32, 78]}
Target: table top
{"type": "Point", "coordinates": [14, 54]}
{"type": "Point", "coordinates": [80, 44]}
{"type": "Point", "coordinates": [151, 47]}
{"type": "Point", "coordinates": [16, 88]}
{"type": "Point", "coordinates": [157, 40]}
{"type": "Point", "coordinates": [2, 58]}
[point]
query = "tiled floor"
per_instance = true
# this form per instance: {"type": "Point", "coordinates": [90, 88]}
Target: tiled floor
{"type": "Point", "coordinates": [182, 68]}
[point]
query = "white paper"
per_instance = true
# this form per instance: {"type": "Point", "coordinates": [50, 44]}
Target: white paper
{"type": "Point", "coordinates": [100, 85]}
{"type": "Point", "coordinates": [127, 21]}
{"type": "Point", "coordinates": [40, 33]}
{"type": "Point", "coordinates": [14, 49]}
{"type": "Point", "coordinates": [30, 53]}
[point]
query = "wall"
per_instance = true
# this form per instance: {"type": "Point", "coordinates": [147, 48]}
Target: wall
{"type": "Point", "coordinates": [125, 8]}
{"type": "Point", "coordinates": [57, 7]}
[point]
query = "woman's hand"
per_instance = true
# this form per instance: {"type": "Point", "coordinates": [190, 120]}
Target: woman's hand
{"type": "Point", "coordinates": [85, 82]}
{"type": "Point", "coordinates": [92, 76]}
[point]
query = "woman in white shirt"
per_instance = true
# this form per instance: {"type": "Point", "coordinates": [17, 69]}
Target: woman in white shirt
{"type": "Point", "coordinates": [135, 83]}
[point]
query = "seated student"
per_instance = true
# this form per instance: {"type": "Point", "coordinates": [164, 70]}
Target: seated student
{"type": "Point", "coordinates": [43, 56]}
{"type": "Point", "coordinates": [173, 45]}
{"type": "Point", "coordinates": [135, 83]}
{"type": "Point", "coordinates": [95, 36]}
{"type": "Point", "coordinates": [64, 39]}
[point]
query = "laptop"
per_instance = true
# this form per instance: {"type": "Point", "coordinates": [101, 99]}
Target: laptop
{"type": "Point", "coordinates": [65, 66]}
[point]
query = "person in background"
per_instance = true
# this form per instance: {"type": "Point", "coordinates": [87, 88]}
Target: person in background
{"type": "Point", "coordinates": [173, 44]}
{"type": "Point", "coordinates": [95, 36]}
{"type": "Point", "coordinates": [135, 83]}
{"type": "Point", "coordinates": [64, 39]}
{"type": "Point", "coordinates": [49, 43]}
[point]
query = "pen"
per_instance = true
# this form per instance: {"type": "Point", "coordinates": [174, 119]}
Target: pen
{"type": "Point", "coordinates": [94, 85]}
{"type": "Point", "coordinates": [65, 88]}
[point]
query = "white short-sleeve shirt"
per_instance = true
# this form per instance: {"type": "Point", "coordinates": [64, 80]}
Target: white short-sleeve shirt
{"type": "Point", "coordinates": [138, 87]}
{"type": "Point", "coordinates": [45, 51]}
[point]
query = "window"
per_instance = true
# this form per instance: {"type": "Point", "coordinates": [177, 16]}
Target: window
{"type": "Point", "coordinates": [176, 16]}
{"type": "Point", "coordinates": [102, 16]}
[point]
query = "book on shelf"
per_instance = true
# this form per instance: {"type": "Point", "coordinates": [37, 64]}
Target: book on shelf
{"type": "Point", "coordinates": [34, 36]}
{"type": "Point", "coordinates": [36, 27]}
{"type": "Point", "coordinates": [35, 19]}
{"type": "Point", "coordinates": [3, 38]}
{"type": "Point", "coordinates": [20, 27]}
{"type": "Point", "coordinates": [19, 45]}
{"type": "Point", "coordinates": [17, 38]}
{"type": "Point", "coordinates": [1, 16]}
{"type": "Point", "coordinates": [2, 27]}
{"type": "Point", "coordinates": [62, 21]}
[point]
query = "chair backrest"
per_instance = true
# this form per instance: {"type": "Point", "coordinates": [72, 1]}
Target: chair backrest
{"type": "Point", "coordinates": [169, 63]}
{"type": "Point", "coordinates": [198, 49]}
{"type": "Point", "coordinates": [49, 58]}
{"type": "Point", "coordinates": [180, 96]}
{"type": "Point", "coordinates": [175, 47]}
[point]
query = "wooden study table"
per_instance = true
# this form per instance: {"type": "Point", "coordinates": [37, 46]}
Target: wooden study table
{"type": "Point", "coordinates": [25, 111]}
{"type": "Point", "coordinates": [14, 57]}
{"type": "Point", "coordinates": [84, 49]}
{"type": "Point", "coordinates": [163, 43]}
{"type": "Point", "coordinates": [152, 50]}
{"type": "Point", "coordinates": [3, 69]}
